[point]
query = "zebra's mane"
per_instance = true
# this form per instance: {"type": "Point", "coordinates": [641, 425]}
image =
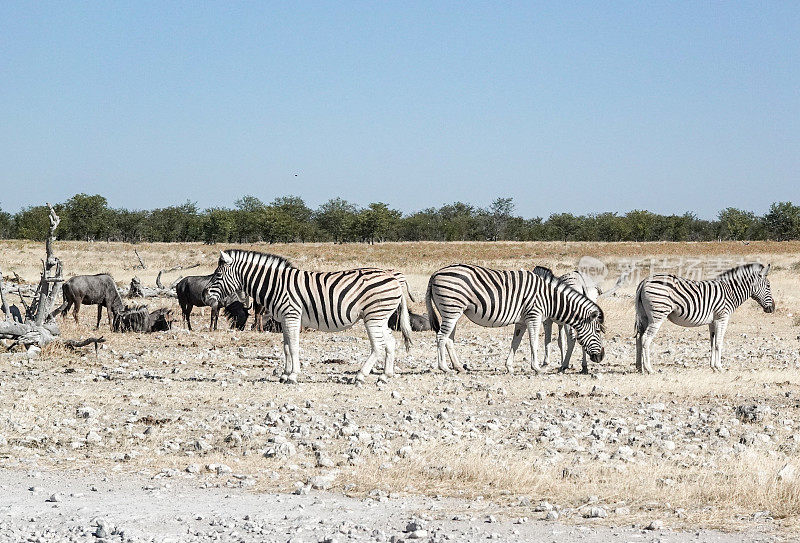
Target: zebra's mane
{"type": "Point", "coordinates": [543, 271]}
{"type": "Point", "coordinates": [269, 259]}
{"type": "Point", "coordinates": [745, 270]}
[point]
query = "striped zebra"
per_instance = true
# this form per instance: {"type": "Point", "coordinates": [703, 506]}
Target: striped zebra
{"type": "Point", "coordinates": [328, 301]}
{"type": "Point", "coordinates": [691, 303]}
{"type": "Point", "coordinates": [495, 298]}
{"type": "Point", "coordinates": [582, 283]}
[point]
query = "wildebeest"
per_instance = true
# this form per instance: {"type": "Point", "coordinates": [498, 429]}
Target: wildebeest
{"type": "Point", "coordinates": [237, 313]}
{"type": "Point", "coordinates": [99, 290]}
{"type": "Point", "coordinates": [139, 319]}
{"type": "Point", "coordinates": [419, 323]}
{"type": "Point", "coordinates": [190, 294]}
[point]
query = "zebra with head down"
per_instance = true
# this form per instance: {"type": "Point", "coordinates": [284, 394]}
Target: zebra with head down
{"type": "Point", "coordinates": [501, 297]}
{"type": "Point", "coordinates": [582, 283]}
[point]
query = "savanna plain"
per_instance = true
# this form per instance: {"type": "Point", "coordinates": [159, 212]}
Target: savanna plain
{"type": "Point", "coordinates": [482, 453]}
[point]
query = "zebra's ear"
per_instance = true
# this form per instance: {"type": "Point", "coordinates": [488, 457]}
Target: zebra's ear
{"type": "Point", "coordinates": [225, 258]}
{"type": "Point", "coordinates": [765, 271]}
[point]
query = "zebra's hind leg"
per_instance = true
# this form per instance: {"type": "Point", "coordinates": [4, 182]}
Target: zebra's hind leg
{"type": "Point", "coordinates": [287, 361]}
{"type": "Point", "coordinates": [388, 371]}
{"type": "Point", "coordinates": [519, 331]}
{"type": "Point", "coordinates": [647, 340]}
{"type": "Point", "coordinates": [443, 340]}
{"type": "Point", "coordinates": [378, 348]}
{"type": "Point", "coordinates": [639, 366]}
{"type": "Point", "coordinates": [451, 351]}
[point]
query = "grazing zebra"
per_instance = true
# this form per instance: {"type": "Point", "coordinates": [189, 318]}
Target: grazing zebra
{"type": "Point", "coordinates": [693, 303]}
{"type": "Point", "coordinates": [498, 298]}
{"type": "Point", "coordinates": [582, 283]}
{"type": "Point", "coordinates": [328, 301]}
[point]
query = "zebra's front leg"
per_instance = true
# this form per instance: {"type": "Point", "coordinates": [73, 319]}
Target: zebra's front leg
{"type": "Point", "coordinates": [534, 324]}
{"type": "Point", "coordinates": [717, 338]}
{"type": "Point", "coordinates": [570, 337]}
{"type": "Point", "coordinates": [519, 331]}
{"type": "Point", "coordinates": [291, 337]}
{"type": "Point", "coordinates": [378, 349]}
{"type": "Point", "coordinates": [548, 340]}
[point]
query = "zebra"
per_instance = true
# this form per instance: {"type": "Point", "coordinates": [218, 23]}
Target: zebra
{"type": "Point", "coordinates": [327, 301]}
{"type": "Point", "coordinates": [691, 303]}
{"type": "Point", "coordinates": [496, 298]}
{"type": "Point", "coordinates": [582, 283]}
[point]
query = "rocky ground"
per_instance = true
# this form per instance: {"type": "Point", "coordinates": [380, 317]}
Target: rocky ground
{"type": "Point", "coordinates": [178, 425]}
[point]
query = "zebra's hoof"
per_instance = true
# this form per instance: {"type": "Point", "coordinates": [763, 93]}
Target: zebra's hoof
{"type": "Point", "coordinates": [358, 379]}
{"type": "Point", "coordinates": [283, 378]}
{"type": "Point", "coordinates": [291, 379]}
{"type": "Point", "coordinates": [382, 379]}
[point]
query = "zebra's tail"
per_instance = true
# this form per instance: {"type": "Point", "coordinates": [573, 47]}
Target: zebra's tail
{"type": "Point", "coordinates": [402, 279]}
{"type": "Point", "coordinates": [433, 319]}
{"type": "Point", "coordinates": [405, 322]}
{"type": "Point", "coordinates": [640, 325]}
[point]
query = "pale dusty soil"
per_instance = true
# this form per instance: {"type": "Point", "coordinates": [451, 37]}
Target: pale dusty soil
{"type": "Point", "coordinates": [668, 447]}
{"type": "Point", "coordinates": [138, 509]}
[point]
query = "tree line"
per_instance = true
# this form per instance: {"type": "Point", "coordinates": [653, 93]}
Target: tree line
{"type": "Point", "coordinates": [289, 219]}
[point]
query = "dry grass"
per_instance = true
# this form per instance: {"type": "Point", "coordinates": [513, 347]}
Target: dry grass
{"type": "Point", "coordinates": [706, 496]}
{"type": "Point", "coordinates": [410, 257]}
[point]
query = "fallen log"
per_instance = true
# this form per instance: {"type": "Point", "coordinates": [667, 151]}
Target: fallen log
{"type": "Point", "coordinates": [76, 344]}
{"type": "Point", "coordinates": [138, 290]}
{"type": "Point", "coordinates": [29, 333]}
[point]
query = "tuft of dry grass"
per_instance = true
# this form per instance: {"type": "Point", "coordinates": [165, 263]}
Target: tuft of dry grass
{"type": "Point", "coordinates": [708, 495]}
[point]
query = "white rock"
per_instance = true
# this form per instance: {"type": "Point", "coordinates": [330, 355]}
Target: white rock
{"type": "Point", "coordinates": [596, 512]}
{"type": "Point", "coordinates": [787, 473]}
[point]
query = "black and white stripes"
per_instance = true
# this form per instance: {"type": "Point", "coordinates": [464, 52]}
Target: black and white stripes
{"type": "Point", "coordinates": [328, 301]}
{"type": "Point", "coordinates": [502, 297]}
{"type": "Point", "coordinates": [693, 303]}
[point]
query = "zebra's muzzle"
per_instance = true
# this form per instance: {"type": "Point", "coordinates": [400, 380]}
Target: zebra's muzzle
{"type": "Point", "coordinates": [770, 309]}
{"type": "Point", "coordinates": [598, 357]}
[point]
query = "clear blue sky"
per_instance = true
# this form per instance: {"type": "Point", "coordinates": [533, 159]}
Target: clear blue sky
{"type": "Point", "coordinates": [580, 107]}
